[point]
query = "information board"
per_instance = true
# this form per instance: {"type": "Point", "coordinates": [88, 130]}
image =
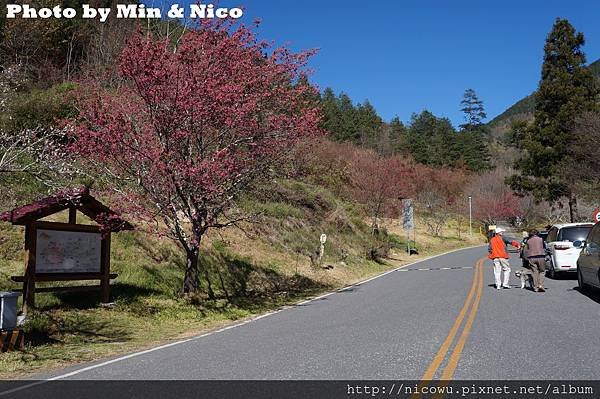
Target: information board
{"type": "Point", "coordinates": [67, 252]}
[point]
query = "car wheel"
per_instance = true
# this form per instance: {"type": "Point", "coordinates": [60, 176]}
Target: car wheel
{"type": "Point", "coordinates": [583, 287]}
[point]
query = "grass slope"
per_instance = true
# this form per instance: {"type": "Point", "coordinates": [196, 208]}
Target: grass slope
{"type": "Point", "coordinates": [261, 268]}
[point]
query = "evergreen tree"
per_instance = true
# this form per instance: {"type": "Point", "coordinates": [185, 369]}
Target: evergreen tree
{"type": "Point", "coordinates": [344, 121]}
{"type": "Point", "coordinates": [473, 109]}
{"type": "Point", "coordinates": [331, 114]}
{"type": "Point", "coordinates": [368, 124]}
{"type": "Point", "coordinates": [472, 138]}
{"type": "Point", "coordinates": [348, 130]}
{"type": "Point", "coordinates": [432, 140]}
{"type": "Point", "coordinates": [566, 90]}
{"type": "Point", "coordinates": [474, 150]}
{"type": "Point", "coordinates": [397, 132]}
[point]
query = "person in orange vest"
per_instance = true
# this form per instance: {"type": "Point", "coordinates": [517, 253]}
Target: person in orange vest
{"type": "Point", "coordinates": [499, 255]}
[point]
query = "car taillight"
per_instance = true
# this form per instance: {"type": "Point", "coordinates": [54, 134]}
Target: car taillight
{"type": "Point", "coordinates": [561, 247]}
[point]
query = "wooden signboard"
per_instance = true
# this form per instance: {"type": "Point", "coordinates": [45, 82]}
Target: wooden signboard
{"type": "Point", "coordinates": [63, 252]}
{"type": "Point", "coordinates": [66, 251]}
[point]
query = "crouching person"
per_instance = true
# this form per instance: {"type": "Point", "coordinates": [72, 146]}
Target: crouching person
{"type": "Point", "coordinates": [499, 255]}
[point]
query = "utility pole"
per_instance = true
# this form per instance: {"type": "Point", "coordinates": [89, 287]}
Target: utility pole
{"type": "Point", "coordinates": [470, 216]}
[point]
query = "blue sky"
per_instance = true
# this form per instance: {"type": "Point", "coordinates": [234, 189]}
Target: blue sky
{"type": "Point", "coordinates": [407, 56]}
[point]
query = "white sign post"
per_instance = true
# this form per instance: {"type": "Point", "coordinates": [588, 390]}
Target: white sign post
{"type": "Point", "coordinates": [323, 240]}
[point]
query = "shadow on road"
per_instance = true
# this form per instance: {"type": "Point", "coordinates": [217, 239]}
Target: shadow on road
{"type": "Point", "coordinates": [591, 293]}
{"type": "Point", "coordinates": [349, 290]}
{"type": "Point", "coordinates": [561, 277]}
{"type": "Point", "coordinates": [514, 287]}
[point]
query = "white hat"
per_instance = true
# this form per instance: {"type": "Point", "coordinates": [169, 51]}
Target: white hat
{"type": "Point", "coordinates": [500, 230]}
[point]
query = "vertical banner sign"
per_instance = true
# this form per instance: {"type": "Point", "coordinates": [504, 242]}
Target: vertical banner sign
{"type": "Point", "coordinates": [408, 215]}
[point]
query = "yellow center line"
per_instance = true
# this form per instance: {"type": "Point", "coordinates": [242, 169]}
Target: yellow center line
{"type": "Point", "coordinates": [439, 358]}
{"type": "Point", "coordinates": [460, 345]}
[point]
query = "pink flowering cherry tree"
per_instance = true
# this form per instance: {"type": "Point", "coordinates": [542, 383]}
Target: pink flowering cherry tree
{"type": "Point", "coordinates": [193, 127]}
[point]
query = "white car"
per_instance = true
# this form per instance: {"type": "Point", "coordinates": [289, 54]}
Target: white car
{"type": "Point", "coordinates": [562, 254]}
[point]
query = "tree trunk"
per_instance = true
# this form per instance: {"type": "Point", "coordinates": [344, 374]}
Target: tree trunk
{"type": "Point", "coordinates": [375, 227]}
{"type": "Point", "coordinates": [211, 293]}
{"type": "Point", "coordinates": [573, 211]}
{"type": "Point", "coordinates": [191, 280]}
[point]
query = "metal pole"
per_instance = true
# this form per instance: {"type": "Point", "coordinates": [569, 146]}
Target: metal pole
{"type": "Point", "coordinates": [470, 216]}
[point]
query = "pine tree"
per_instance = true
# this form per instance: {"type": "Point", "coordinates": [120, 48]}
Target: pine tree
{"type": "Point", "coordinates": [344, 121]}
{"type": "Point", "coordinates": [368, 124]}
{"type": "Point", "coordinates": [566, 90]}
{"type": "Point", "coordinates": [473, 109]}
{"type": "Point", "coordinates": [397, 133]}
{"type": "Point", "coordinates": [474, 150]}
{"type": "Point", "coordinates": [432, 140]}
{"type": "Point", "coordinates": [472, 137]}
{"type": "Point", "coordinates": [331, 113]}
{"type": "Point", "coordinates": [348, 130]}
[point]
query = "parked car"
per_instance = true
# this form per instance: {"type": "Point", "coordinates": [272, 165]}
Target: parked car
{"type": "Point", "coordinates": [588, 265]}
{"type": "Point", "coordinates": [562, 254]}
{"type": "Point", "coordinates": [522, 251]}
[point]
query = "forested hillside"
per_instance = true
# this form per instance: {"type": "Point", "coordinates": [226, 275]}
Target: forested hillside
{"type": "Point", "coordinates": [429, 139]}
{"type": "Point", "coordinates": [523, 109]}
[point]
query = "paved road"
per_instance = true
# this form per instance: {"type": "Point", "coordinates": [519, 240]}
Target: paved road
{"type": "Point", "coordinates": [395, 327]}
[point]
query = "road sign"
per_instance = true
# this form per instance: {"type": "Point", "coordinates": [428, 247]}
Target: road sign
{"type": "Point", "coordinates": [597, 216]}
{"type": "Point", "coordinates": [408, 215]}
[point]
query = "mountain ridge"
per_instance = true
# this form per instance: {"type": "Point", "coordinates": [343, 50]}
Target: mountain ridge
{"type": "Point", "coordinates": [523, 108]}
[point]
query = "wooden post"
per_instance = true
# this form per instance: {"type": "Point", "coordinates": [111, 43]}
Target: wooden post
{"type": "Point", "coordinates": [72, 215]}
{"type": "Point", "coordinates": [26, 281]}
{"type": "Point", "coordinates": [105, 270]}
{"type": "Point", "coordinates": [29, 283]}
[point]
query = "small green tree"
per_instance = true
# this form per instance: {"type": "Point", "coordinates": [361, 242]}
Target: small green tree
{"type": "Point", "coordinates": [566, 90]}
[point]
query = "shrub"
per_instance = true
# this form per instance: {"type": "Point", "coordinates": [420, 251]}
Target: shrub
{"type": "Point", "coordinates": [41, 107]}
